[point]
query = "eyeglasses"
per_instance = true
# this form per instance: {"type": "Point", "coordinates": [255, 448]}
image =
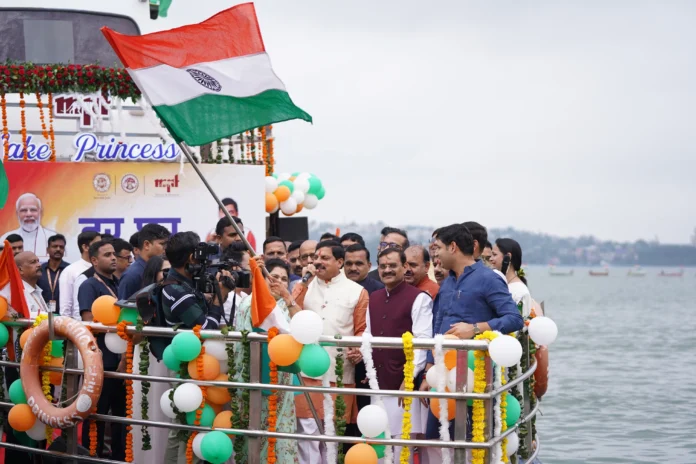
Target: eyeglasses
{"type": "Point", "coordinates": [165, 271]}
{"type": "Point", "coordinates": [129, 258]}
{"type": "Point", "coordinates": [385, 245]}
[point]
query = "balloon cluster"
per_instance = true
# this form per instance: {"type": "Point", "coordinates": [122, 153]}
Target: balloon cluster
{"type": "Point", "coordinates": [214, 447]}
{"type": "Point", "coordinates": [292, 192]}
{"type": "Point", "coordinates": [105, 311]}
{"type": "Point", "coordinates": [299, 349]}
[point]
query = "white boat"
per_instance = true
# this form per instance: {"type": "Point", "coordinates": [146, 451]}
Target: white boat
{"type": "Point", "coordinates": [637, 271]}
{"type": "Point", "coordinates": [600, 272]}
{"type": "Point", "coordinates": [553, 271]}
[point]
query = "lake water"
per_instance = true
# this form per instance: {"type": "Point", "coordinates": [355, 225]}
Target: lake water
{"type": "Point", "coordinates": [622, 383]}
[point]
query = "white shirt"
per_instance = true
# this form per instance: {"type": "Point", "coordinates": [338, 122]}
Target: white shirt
{"type": "Point", "coordinates": [422, 317]}
{"type": "Point", "coordinates": [36, 241]}
{"type": "Point", "coordinates": [82, 278]}
{"type": "Point", "coordinates": [520, 292]}
{"type": "Point", "coordinates": [227, 306]}
{"type": "Point", "coordinates": [34, 299]}
{"type": "Point", "coordinates": [67, 304]}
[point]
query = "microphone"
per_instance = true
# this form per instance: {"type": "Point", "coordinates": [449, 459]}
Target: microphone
{"type": "Point", "coordinates": [306, 277]}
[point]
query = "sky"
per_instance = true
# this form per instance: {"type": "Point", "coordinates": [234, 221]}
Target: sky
{"type": "Point", "coordinates": [567, 118]}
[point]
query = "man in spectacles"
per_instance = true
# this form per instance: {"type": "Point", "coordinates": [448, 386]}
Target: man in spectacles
{"type": "Point", "coordinates": [124, 256]}
{"type": "Point", "coordinates": [391, 237]}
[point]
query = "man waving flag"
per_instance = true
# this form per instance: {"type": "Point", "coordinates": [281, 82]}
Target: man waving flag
{"type": "Point", "coordinates": [210, 80]}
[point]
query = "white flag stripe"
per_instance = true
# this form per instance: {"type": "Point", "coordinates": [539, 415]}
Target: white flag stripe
{"type": "Point", "coordinates": [276, 319]}
{"type": "Point", "coordinates": [238, 77]}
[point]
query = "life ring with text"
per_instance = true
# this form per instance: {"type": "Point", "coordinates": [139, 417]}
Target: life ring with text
{"type": "Point", "coordinates": [92, 381]}
{"type": "Point", "coordinates": [541, 374]}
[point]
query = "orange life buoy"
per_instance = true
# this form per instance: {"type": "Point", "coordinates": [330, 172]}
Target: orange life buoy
{"type": "Point", "coordinates": [92, 380]}
{"type": "Point", "coordinates": [541, 374]}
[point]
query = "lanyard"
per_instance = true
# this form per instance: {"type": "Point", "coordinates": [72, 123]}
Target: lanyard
{"type": "Point", "coordinates": [40, 303]}
{"type": "Point", "coordinates": [53, 283]}
{"type": "Point", "coordinates": [96, 276]}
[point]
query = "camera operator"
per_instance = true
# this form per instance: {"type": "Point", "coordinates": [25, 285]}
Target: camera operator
{"type": "Point", "coordinates": [181, 301]}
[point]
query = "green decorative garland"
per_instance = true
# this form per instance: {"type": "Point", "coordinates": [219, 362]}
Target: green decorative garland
{"type": "Point", "coordinates": [2, 391]}
{"type": "Point", "coordinates": [232, 376]}
{"type": "Point", "coordinates": [243, 417]}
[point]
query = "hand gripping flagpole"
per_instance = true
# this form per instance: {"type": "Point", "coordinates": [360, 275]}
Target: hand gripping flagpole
{"type": "Point", "coordinates": [187, 152]}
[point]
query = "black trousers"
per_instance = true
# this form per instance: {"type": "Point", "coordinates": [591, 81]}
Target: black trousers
{"type": "Point", "coordinates": [113, 398]}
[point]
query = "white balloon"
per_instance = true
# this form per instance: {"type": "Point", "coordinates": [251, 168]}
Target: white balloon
{"type": "Point", "coordinates": [216, 349]}
{"type": "Point", "coordinates": [289, 206]}
{"type": "Point", "coordinates": [271, 184]}
{"type": "Point", "coordinates": [431, 377]}
{"type": "Point", "coordinates": [505, 350]}
{"type": "Point", "coordinates": [306, 327]}
{"type": "Point", "coordinates": [302, 184]}
{"type": "Point", "coordinates": [543, 331]}
{"type": "Point", "coordinates": [513, 443]}
{"type": "Point", "coordinates": [38, 431]}
{"type": "Point", "coordinates": [283, 176]}
{"type": "Point", "coordinates": [452, 380]}
{"type": "Point", "coordinates": [166, 405]}
{"type": "Point", "coordinates": [196, 445]}
{"type": "Point", "coordinates": [115, 344]}
{"type": "Point", "coordinates": [298, 195]}
{"type": "Point", "coordinates": [303, 175]}
{"type": "Point", "coordinates": [372, 421]}
{"type": "Point", "coordinates": [188, 397]}
{"type": "Point", "coordinates": [224, 368]}
{"type": "Point", "coordinates": [310, 201]}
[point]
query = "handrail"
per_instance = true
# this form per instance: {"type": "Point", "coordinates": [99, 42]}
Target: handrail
{"type": "Point", "coordinates": [296, 388]}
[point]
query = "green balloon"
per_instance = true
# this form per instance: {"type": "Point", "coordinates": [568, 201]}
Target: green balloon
{"type": "Point", "coordinates": [170, 360]}
{"type": "Point", "coordinates": [216, 447]}
{"type": "Point", "coordinates": [128, 314]}
{"type": "Point", "coordinates": [17, 395]}
{"type": "Point", "coordinates": [57, 348]}
{"type": "Point", "coordinates": [295, 174]}
{"type": "Point", "coordinates": [513, 410]}
{"type": "Point", "coordinates": [314, 185]}
{"type": "Point", "coordinates": [24, 439]}
{"type": "Point", "coordinates": [164, 8]}
{"type": "Point", "coordinates": [472, 360]}
{"type": "Point", "coordinates": [288, 184]}
{"type": "Point", "coordinates": [207, 417]}
{"type": "Point", "coordinates": [274, 175]}
{"type": "Point", "coordinates": [4, 335]}
{"type": "Point", "coordinates": [314, 360]}
{"type": "Point", "coordinates": [186, 346]}
{"type": "Point", "coordinates": [379, 449]}
{"type": "Point", "coordinates": [321, 193]}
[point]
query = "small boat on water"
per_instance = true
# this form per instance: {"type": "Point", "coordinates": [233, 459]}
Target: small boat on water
{"type": "Point", "coordinates": [600, 273]}
{"type": "Point", "coordinates": [637, 271]}
{"type": "Point", "coordinates": [553, 271]}
{"type": "Point", "coordinates": [679, 273]}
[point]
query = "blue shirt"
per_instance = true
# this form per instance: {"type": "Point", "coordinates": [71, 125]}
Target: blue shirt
{"type": "Point", "coordinates": [132, 279]}
{"type": "Point", "coordinates": [478, 295]}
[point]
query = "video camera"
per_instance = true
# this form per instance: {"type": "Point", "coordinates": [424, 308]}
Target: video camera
{"type": "Point", "coordinates": [208, 264]}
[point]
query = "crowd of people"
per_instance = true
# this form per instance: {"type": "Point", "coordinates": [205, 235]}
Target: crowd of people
{"type": "Point", "coordinates": [459, 283]}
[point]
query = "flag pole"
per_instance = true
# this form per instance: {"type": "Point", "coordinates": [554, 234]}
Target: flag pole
{"type": "Point", "coordinates": [189, 156]}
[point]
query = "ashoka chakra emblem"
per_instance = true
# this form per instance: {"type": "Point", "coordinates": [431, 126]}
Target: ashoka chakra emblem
{"type": "Point", "coordinates": [206, 80]}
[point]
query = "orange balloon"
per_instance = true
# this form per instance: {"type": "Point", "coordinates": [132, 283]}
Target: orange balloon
{"type": "Point", "coordinates": [56, 377]}
{"type": "Point", "coordinates": [217, 408]}
{"type": "Point", "coordinates": [450, 355]}
{"type": "Point", "coordinates": [105, 311]}
{"type": "Point", "coordinates": [282, 193]}
{"type": "Point", "coordinates": [271, 203]}
{"type": "Point", "coordinates": [292, 178]}
{"type": "Point", "coordinates": [362, 453]}
{"type": "Point", "coordinates": [211, 368]}
{"type": "Point", "coordinates": [24, 337]}
{"type": "Point", "coordinates": [223, 420]}
{"type": "Point", "coordinates": [299, 208]}
{"type": "Point", "coordinates": [284, 350]}
{"type": "Point", "coordinates": [3, 307]}
{"type": "Point", "coordinates": [21, 418]}
{"type": "Point", "coordinates": [435, 408]}
{"type": "Point", "coordinates": [219, 395]}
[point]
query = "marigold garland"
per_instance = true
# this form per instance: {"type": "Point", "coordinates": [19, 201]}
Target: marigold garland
{"type": "Point", "coordinates": [409, 371]}
{"type": "Point", "coordinates": [478, 415]}
{"type": "Point", "coordinates": [503, 417]}
{"type": "Point", "coordinates": [51, 132]}
{"type": "Point", "coordinates": [22, 105]}
{"type": "Point", "coordinates": [121, 331]}
{"type": "Point", "coordinates": [92, 423]}
{"type": "Point", "coordinates": [272, 403]}
{"type": "Point", "coordinates": [340, 404]}
{"type": "Point", "coordinates": [144, 386]}
{"type": "Point", "coordinates": [264, 152]}
{"type": "Point", "coordinates": [199, 412]}
{"type": "Point", "coordinates": [42, 116]}
{"type": "Point", "coordinates": [5, 128]}
{"type": "Point", "coordinates": [271, 159]}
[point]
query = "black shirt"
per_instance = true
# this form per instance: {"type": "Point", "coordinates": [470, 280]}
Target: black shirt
{"type": "Point", "coordinates": [374, 275]}
{"type": "Point", "coordinates": [48, 280]}
{"type": "Point", "coordinates": [371, 285]}
{"type": "Point", "coordinates": [91, 289]}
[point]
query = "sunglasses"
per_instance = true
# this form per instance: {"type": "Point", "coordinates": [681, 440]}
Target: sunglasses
{"type": "Point", "coordinates": [385, 245]}
{"type": "Point", "coordinates": [165, 271]}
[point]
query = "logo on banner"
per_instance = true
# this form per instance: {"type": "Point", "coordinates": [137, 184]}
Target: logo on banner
{"type": "Point", "coordinates": [129, 183]}
{"type": "Point", "coordinates": [66, 106]}
{"type": "Point", "coordinates": [101, 183]}
{"type": "Point", "coordinates": [169, 184]}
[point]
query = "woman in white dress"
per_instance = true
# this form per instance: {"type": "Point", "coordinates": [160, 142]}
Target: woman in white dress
{"type": "Point", "coordinates": [507, 258]}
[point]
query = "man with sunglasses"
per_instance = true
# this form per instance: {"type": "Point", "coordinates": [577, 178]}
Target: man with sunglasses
{"type": "Point", "coordinates": [391, 237]}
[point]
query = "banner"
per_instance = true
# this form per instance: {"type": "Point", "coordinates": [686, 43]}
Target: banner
{"type": "Point", "coordinates": [120, 198]}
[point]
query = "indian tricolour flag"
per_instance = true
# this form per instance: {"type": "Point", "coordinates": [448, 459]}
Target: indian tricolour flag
{"type": "Point", "coordinates": [210, 80]}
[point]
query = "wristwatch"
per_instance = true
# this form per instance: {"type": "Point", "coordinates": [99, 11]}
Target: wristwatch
{"type": "Point", "coordinates": [476, 330]}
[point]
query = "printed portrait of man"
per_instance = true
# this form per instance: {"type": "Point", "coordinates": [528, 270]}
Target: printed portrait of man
{"type": "Point", "coordinates": [35, 236]}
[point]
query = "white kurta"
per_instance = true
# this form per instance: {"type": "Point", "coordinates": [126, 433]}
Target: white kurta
{"type": "Point", "coordinates": [520, 292]}
{"type": "Point", "coordinates": [422, 317]}
{"type": "Point", "coordinates": [66, 305]}
{"type": "Point", "coordinates": [36, 241]}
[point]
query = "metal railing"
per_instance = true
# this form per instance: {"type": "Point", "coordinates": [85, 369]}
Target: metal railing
{"type": "Point", "coordinates": [255, 432]}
